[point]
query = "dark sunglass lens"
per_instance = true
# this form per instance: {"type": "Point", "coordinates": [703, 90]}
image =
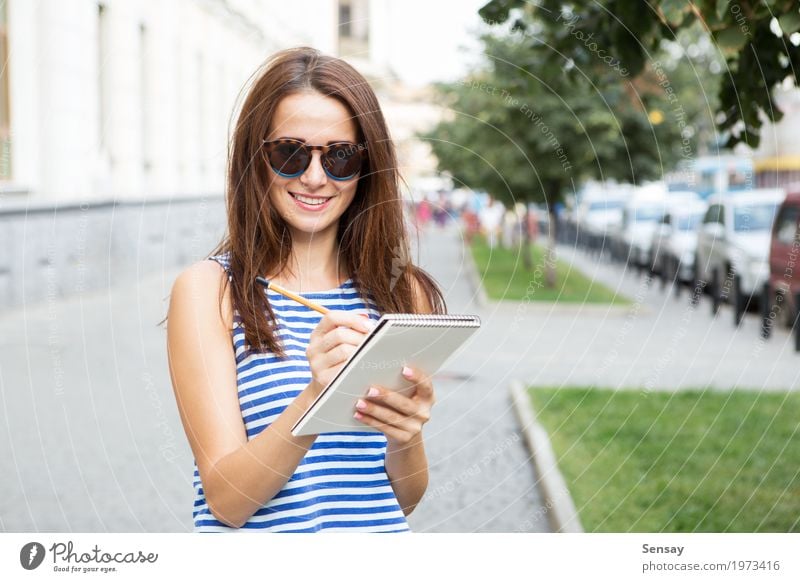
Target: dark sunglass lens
{"type": "Point", "coordinates": [288, 158]}
{"type": "Point", "coordinates": [343, 161]}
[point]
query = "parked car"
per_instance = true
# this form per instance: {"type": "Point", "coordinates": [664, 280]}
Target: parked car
{"type": "Point", "coordinates": [674, 243]}
{"type": "Point", "coordinates": [733, 247]}
{"type": "Point", "coordinates": [632, 238]}
{"type": "Point", "coordinates": [781, 293]}
{"type": "Point", "coordinates": [597, 214]}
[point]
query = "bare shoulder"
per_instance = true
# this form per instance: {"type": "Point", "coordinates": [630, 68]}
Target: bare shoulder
{"type": "Point", "coordinates": [198, 287]}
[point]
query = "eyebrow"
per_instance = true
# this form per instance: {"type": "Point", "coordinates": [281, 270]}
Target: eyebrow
{"type": "Point", "coordinates": [304, 141]}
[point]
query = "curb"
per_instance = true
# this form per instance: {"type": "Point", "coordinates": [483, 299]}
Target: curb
{"type": "Point", "coordinates": [471, 269]}
{"type": "Point", "coordinates": [563, 515]}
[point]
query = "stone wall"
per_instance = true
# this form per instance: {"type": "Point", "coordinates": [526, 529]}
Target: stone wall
{"type": "Point", "coordinates": [60, 250]}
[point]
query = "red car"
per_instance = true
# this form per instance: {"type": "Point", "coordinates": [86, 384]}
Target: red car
{"type": "Point", "coordinates": [782, 291]}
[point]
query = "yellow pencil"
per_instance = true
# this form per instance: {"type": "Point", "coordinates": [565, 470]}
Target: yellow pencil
{"type": "Point", "coordinates": [286, 293]}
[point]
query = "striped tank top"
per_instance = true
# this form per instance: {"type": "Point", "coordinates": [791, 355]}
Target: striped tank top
{"type": "Point", "coordinates": [341, 484]}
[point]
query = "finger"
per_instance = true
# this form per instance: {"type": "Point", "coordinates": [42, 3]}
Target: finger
{"type": "Point", "coordinates": [388, 415]}
{"type": "Point", "coordinates": [337, 355]}
{"type": "Point", "coordinates": [337, 318]}
{"type": "Point", "coordinates": [341, 335]}
{"type": "Point", "coordinates": [399, 402]}
{"type": "Point", "coordinates": [390, 431]}
{"type": "Point", "coordinates": [424, 386]}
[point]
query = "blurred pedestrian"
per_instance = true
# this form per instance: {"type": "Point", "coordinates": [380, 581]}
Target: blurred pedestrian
{"type": "Point", "coordinates": [440, 212]}
{"type": "Point", "coordinates": [491, 217]}
{"type": "Point", "coordinates": [469, 219]}
{"type": "Point", "coordinates": [424, 213]}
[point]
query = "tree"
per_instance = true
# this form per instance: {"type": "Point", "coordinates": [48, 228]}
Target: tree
{"type": "Point", "coordinates": [532, 125]}
{"type": "Point", "coordinates": [758, 38]}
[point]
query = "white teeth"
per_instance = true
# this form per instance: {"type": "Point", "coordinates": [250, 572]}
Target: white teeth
{"type": "Point", "coordinates": [311, 201]}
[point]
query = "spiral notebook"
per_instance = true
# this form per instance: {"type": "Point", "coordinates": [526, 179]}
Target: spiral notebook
{"type": "Point", "coordinates": [425, 342]}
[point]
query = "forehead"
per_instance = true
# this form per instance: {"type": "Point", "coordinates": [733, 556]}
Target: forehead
{"type": "Point", "coordinates": [314, 118]}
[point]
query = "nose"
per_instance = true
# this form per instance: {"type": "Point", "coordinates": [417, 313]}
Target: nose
{"type": "Point", "coordinates": [314, 176]}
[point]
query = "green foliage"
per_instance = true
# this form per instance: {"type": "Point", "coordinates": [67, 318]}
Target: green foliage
{"type": "Point", "coordinates": [532, 123]}
{"type": "Point", "coordinates": [757, 58]}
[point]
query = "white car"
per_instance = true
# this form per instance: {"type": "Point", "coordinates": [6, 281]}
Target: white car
{"type": "Point", "coordinates": [732, 258]}
{"type": "Point", "coordinates": [640, 216]}
{"type": "Point", "coordinates": [597, 218]}
{"type": "Point", "coordinates": [598, 211]}
{"type": "Point", "coordinates": [675, 242]}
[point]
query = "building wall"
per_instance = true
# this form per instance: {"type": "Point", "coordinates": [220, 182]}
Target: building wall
{"type": "Point", "coordinates": [76, 248]}
{"type": "Point", "coordinates": [119, 131]}
{"type": "Point", "coordinates": [135, 100]}
{"type": "Point", "coordinates": [120, 120]}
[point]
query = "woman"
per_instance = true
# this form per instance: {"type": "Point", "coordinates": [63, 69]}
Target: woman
{"type": "Point", "coordinates": [313, 205]}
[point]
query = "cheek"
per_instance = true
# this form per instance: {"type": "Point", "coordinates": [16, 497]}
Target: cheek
{"type": "Point", "coordinates": [349, 192]}
{"type": "Point", "coordinates": [277, 190]}
{"type": "Point", "coordinates": [347, 196]}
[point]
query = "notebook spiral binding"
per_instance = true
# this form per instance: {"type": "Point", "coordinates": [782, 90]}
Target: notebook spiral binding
{"type": "Point", "coordinates": [434, 320]}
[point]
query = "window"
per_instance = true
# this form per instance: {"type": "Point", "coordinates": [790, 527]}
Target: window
{"type": "Point", "coordinates": [688, 222]}
{"type": "Point", "coordinates": [353, 27]}
{"type": "Point", "coordinates": [102, 77]}
{"type": "Point", "coordinates": [714, 214]}
{"type": "Point", "coordinates": [708, 180]}
{"type": "Point", "coordinates": [787, 227]}
{"type": "Point", "coordinates": [345, 19]}
{"type": "Point", "coordinates": [607, 205]}
{"type": "Point", "coordinates": [144, 105]}
{"type": "Point", "coordinates": [5, 108]}
{"type": "Point", "coordinates": [648, 214]}
{"type": "Point", "coordinates": [754, 217]}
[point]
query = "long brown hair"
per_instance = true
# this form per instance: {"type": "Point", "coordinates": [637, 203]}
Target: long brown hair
{"type": "Point", "coordinates": [373, 243]}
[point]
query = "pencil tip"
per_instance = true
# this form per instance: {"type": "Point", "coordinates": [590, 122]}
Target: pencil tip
{"type": "Point", "coordinates": [262, 281]}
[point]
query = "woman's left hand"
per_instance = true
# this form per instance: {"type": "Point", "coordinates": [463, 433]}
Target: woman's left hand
{"type": "Point", "coordinates": [397, 416]}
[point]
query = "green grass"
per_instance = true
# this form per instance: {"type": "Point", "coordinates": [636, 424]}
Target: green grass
{"type": "Point", "coordinates": [699, 460]}
{"type": "Point", "coordinates": [502, 272]}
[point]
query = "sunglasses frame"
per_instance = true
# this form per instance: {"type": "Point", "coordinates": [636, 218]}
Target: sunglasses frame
{"type": "Point", "coordinates": [269, 145]}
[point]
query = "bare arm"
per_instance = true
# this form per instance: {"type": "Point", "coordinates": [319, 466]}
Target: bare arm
{"type": "Point", "coordinates": [238, 476]}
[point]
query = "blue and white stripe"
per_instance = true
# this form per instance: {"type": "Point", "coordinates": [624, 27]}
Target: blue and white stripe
{"type": "Point", "coordinates": [341, 484]}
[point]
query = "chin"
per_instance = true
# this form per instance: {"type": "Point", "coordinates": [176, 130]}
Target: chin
{"type": "Point", "coordinates": [311, 228]}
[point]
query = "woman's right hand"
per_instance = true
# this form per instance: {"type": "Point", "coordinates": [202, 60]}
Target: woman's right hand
{"type": "Point", "coordinates": [333, 341]}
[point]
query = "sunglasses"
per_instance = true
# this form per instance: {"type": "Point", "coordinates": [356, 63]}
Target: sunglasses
{"type": "Point", "coordinates": [290, 158]}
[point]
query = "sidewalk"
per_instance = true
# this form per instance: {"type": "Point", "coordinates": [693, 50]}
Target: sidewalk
{"type": "Point", "coordinates": [93, 440]}
{"type": "Point", "coordinates": [481, 475]}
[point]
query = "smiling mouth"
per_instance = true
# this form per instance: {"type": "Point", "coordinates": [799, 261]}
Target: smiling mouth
{"type": "Point", "coordinates": [310, 200]}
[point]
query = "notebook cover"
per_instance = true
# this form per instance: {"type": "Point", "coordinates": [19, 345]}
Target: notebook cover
{"type": "Point", "coordinates": [424, 342]}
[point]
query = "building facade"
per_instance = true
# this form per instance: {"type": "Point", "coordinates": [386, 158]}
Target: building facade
{"type": "Point", "coordinates": [115, 117]}
{"type": "Point", "coordinates": [119, 99]}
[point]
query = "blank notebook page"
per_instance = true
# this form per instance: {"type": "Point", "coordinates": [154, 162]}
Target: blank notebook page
{"type": "Point", "coordinates": [424, 342]}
